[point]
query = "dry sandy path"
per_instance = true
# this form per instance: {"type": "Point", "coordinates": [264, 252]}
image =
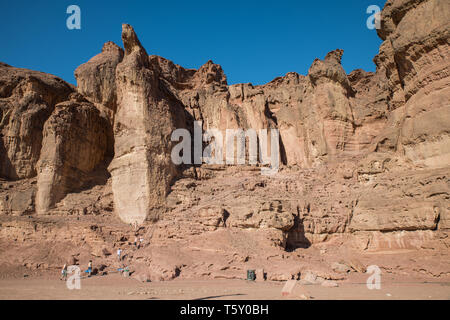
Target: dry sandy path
{"type": "Point", "coordinates": [115, 287]}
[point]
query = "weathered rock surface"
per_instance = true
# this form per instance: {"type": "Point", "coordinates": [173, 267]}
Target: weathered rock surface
{"type": "Point", "coordinates": [96, 79]}
{"type": "Point", "coordinates": [75, 143]}
{"type": "Point", "coordinates": [17, 198]}
{"type": "Point", "coordinates": [365, 162]}
{"type": "Point", "coordinates": [27, 99]}
{"type": "Point", "coordinates": [142, 169]}
{"type": "Point", "coordinates": [417, 36]}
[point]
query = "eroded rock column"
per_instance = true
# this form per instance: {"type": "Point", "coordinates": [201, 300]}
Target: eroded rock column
{"type": "Point", "coordinates": [142, 168]}
{"type": "Point", "coordinates": [74, 145]}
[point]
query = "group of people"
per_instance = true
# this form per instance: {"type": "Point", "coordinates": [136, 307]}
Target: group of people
{"type": "Point", "coordinates": [138, 242]}
{"type": "Point", "coordinates": [64, 271]}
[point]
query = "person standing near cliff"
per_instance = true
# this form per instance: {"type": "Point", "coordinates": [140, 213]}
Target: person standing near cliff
{"type": "Point", "coordinates": [64, 273]}
{"type": "Point", "coordinates": [89, 270]}
{"type": "Point", "coordinates": [119, 253]}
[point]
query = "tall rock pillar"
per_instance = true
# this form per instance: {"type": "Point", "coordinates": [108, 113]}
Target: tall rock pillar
{"type": "Point", "coordinates": [142, 169]}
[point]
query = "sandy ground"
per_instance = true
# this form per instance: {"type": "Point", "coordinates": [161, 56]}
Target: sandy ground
{"type": "Point", "coordinates": [114, 287]}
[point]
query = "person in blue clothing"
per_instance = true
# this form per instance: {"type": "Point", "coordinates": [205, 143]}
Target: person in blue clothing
{"type": "Point", "coordinates": [89, 270]}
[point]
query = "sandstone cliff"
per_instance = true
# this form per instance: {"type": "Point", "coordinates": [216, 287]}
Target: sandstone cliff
{"type": "Point", "coordinates": [365, 156]}
{"type": "Point", "coordinates": [27, 99]}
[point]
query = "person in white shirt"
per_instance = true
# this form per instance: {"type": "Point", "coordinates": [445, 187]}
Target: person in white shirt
{"type": "Point", "coordinates": [64, 273]}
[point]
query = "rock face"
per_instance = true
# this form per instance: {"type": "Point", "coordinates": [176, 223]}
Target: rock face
{"type": "Point", "coordinates": [416, 35]}
{"type": "Point", "coordinates": [142, 169]}
{"type": "Point", "coordinates": [27, 99]}
{"type": "Point", "coordinates": [18, 202]}
{"type": "Point", "coordinates": [75, 143]}
{"type": "Point", "coordinates": [96, 78]}
{"type": "Point", "coordinates": [365, 156]}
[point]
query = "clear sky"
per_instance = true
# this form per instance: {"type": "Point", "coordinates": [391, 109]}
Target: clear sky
{"type": "Point", "coordinates": [254, 41]}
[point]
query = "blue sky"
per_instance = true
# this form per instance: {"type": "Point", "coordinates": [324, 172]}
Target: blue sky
{"type": "Point", "coordinates": [254, 41]}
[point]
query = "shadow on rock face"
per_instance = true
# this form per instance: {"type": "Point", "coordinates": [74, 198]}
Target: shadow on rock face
{"type": "Point", "coordinates": [7, 170]}
{"type": "Point", "coordinates": [296, 237]}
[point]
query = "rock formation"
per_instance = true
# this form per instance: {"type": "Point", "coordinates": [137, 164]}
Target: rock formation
{"type": "Point", "coordinates": [96, 78]}
{"type": "Point", "coordinates": [74, 144]}
{"type": "Point", "coordinates": [416, 38]}
{"type": "Point", "coordinates": [142, 169]}
{"type": "Point", "coordinates": [27, 99]}
{"type": "Point", "coordinates": [365, 155]}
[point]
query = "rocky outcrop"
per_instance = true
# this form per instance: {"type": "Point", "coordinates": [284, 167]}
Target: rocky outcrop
{"type": "Point", "coordinates": [415, 57]}
{"type": "Point", "coordinates": [318, 116]}
{"type": "Point", "coordinates": [74, 144]}
{"type": "Point", "coordinates": [323, 119]}
{"type": "Point", "coordinates": [96, 79]}
{"type": "Point", "coordinates": [142, 169]}
{"type": "Point", "coordinates": [365, 155]}
{"type": "Point", "coordinates": [19, 201]}
{"type": "Point", "coordinates": [27, 99]}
